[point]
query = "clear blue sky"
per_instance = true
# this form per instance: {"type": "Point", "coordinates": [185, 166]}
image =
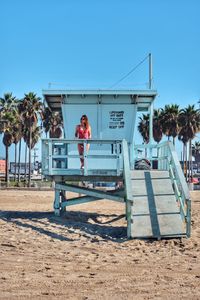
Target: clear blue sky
{"type": "Point", "coordinates": [93, 43]}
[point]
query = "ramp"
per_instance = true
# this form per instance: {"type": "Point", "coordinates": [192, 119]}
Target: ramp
{"type": "Point", "coordinates": [155, 212]}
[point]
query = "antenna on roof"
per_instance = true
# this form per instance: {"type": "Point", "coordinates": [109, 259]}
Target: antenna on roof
{"type": "Point", "coordinates": [150, 71]}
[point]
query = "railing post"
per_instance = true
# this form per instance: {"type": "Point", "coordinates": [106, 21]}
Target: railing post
{"type": "Point", "coordinates": [167, 158]}
{"type": "Point", "coordinates": [50, 157]}
{"type": "Point", "coordinates": [132, 156]}
{"type": "Point", "coordinates": [66, 153]}
{"type": "Point", "coordinates": [188, 218]}
{"type": "Point", "coordinates": [85, 158]}
{"type": "Point", "coordinates": [151, 112]}
{"type": "Point", "coordinates": [118, 161]}
{"type": "Point", "coordinates": [163, 158]}
{"type": "Point", "coordinates": [45, 155]}
{"type": "Point", "coordinates": [158, 155]}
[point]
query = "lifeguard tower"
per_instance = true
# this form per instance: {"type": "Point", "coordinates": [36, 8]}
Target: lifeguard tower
{"type": "Point", "coordinates": [157, 202]}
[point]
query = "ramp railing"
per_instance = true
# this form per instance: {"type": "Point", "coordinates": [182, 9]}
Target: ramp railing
{"type": "Point", "coordinates": [168, 160]}
{"type": "Point", "coordinates": [61, 157]}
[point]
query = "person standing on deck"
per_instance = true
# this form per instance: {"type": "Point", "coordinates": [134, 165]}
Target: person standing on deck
{"type": "Point", "coordinates": [83, 131]}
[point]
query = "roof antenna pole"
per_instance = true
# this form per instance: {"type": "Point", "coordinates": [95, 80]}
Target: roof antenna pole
{"type": "Point", "coordinates": [150, 71]}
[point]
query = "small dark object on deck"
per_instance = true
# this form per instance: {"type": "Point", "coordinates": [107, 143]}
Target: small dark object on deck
{"type": "Point", "coordinates": [142, 164]}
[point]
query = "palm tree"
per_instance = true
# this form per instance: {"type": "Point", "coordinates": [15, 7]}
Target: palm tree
{"type": "Point", "coordinates": [170, 124]}
{"type": "Point", "coordinates": [143, 128]}
{"type": "Point", "coordinates": [196, 148]}
{"type": "Point", "coordinates": [8, 112]}
{"type": "Point", "coordinates": [31, 108]}
{"type": "Point", "coordinates": [2, 123]}
{"type": "Point", "coordinates": [157, 125]}
{"type": "Point", "coordinates": [26, 137]}
{"type": "Point", "coordinates": [7, 103]}
{"type": "Point", "coordinates": [17, 135]}
{"type": "Point", "coordinates": [189, 121]}
{"type": "Point", "coordinates": [52, 123]}
{"type": "Point", "coordinates": [36, 134]}
{"type": "Point", "coordinates": [8, 139]}
{"type": "Point", "coordinates": [46, 119]}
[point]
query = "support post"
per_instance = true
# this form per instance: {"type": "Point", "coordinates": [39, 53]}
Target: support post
{"type": "Point", "coordinates": [62, 200]}
{"type": "Point", "coordinates": [118, 159]}
{"type": "Point", "coordinates": [129, 217]}
{"type": "Point", "coordinates": [57, 202]}
{"type": "Point", "coordinates": [188, 224]}
{"type": "Point", "coordinates": [132, 134]}
{"type": "Point", "coordinates": [66, 153]}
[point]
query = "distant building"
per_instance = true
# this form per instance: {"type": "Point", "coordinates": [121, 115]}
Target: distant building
{"type": "Point", "coordinates": [22, 168]}
{"type": "Point", "coordinates": [196, 163]}
{"type": "Point", "coordinates": [2, 167]}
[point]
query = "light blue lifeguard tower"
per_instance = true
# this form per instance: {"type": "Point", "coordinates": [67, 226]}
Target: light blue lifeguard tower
{"type": "Point", "coordinates": [157, 202]}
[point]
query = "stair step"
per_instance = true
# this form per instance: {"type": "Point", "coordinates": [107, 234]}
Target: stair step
{"type": "Point", "coordinates": [155, 204]}
{"type": "Point", "coordinates": [139, 174]}
{"type": "Point", "coordinates": [158, 227]}
{"type": "Point", "coordinates": [147, 182]}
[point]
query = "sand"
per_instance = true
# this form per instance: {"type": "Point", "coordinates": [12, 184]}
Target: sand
{"type": "Point", "coordinates": [85, 254]}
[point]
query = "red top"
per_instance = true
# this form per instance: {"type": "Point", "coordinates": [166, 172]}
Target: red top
{"type": "Point", "coordinates": [83, 133]}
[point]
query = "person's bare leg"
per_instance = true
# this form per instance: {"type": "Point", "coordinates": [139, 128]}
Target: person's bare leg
{"type": "Point", "coordinates": [81, 151]}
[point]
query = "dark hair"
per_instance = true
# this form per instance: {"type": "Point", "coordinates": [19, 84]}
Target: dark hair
{"type": "Point", "coordinates": [85, 121]}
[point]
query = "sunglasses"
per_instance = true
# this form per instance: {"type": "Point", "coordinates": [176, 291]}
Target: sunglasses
{"type": "Point", "coordinates": [82, 118]}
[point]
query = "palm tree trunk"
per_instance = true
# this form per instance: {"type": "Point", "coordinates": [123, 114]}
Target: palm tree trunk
{"type": "Point", "coordinates": [189, 165]}
{"type": "Point", "coordinates": [7, 167]}
{"type": "Point", "coordinates": [190, 159]}
{"type": "Point", "coordinates": [19, 160]}
{"type": "Point", "coordinates": [186, 162]}
{"type": "Point", "coordinates": [182, 156]}
{"type": "Point", "coordinates": [15, 162]}
{"type": "Point", "coordinates": [25, 169]}
{"type": "Point", "coordinates": [184, 166]}
{"type": "Point", "coordinates": [29, 171]}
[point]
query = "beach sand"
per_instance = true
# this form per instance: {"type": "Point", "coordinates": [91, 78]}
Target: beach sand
{"type": "Point", "coordinates": [85, 254]}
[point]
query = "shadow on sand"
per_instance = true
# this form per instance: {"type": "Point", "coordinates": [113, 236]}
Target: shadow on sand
{"type": "Point", "coordinates": [70, 226]}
